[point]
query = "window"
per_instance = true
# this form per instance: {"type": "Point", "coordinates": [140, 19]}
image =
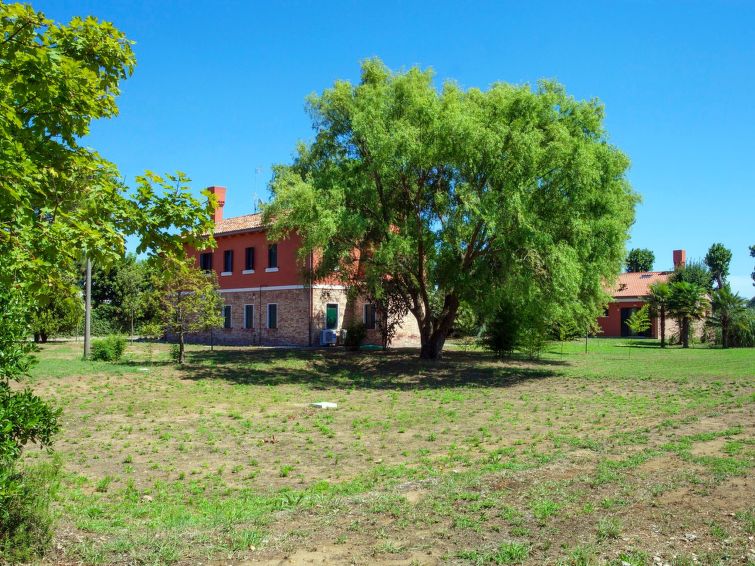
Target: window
{"type": "Point", "coordinates": [272, 256]}
{"type": "Point", "coordinates": [331, 316]}
{"type": "Point", "coordinates": [249, 264]}
{"type": "Point", "coordinates": [248, 316]}
{"type": "Point", "coordinates": [272, 315]}
{"type": "Point", "coordinates": [205, 261]}
{"type": "Point", "coordinates": [227, 316]}
{"type": "Point", "coordinates": [369, 316]}
{"type": "Point", "coordinates": [228, 261]}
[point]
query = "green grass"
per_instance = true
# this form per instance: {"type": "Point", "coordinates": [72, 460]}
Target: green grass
{"type": "Point", "coordinates": [466, 459]}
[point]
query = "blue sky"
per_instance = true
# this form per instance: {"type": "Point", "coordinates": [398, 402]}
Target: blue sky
{"type": "Point", "coordinates": [219, 90]}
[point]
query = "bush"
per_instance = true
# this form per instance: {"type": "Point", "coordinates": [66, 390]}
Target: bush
{"type": "Point", "coordinates": [109, 349]}
{"type": "Point", "coordinates": [502, 332]}
{"type": "Point", "coordinates": [25, 516]}
{"type": "Point", "coordinates": [175, 353]}
{"type": "Point", "coordinates": [355, 335]}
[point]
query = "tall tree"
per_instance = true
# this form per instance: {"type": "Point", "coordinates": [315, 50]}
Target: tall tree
{"type": "Point", "coordinates": [60, 200]}
{"type": "Point", "coordinates": [640, 259]}
{"type": "Point", "coordinates": [660, 294]}
{"type": "Point", "coordinates": [728, 308]}
{"type": "Point", "coordinates": [459, 195]}
{"type": "Point", "coordinates": [688, 302]}
{"type": "Point", "coordinates": [717, 260]}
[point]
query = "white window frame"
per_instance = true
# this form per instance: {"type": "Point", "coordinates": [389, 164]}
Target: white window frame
{"type": "Point", "coordinates": [338, 313]}
{"type": "Point", "coordinates": [230, 317]}
{"type": "Point", "coordinates": [277, 316]}
{"type": "Point", "coordinates": [246, 320]}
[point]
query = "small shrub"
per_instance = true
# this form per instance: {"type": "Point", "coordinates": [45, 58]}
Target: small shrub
{"type": "Point", "coordinates": [109, 349]}
{"type": "Point", "coordinates": [25, 516]}
{"type": "Point", "coordinates": [355, 335]}
{"type": "Point", "coordinates": [502, 332]}
{"type": "Point", "coordinates": [175, 353]}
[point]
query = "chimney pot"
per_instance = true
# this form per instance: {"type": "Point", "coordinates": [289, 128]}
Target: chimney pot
{"type": "Point", "coordinates": [219, 193]}
{"type": "Point", "coordinates": [680, 259]}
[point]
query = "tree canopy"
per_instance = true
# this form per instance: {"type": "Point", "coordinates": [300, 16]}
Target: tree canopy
{"type": "Point", "coordinates": [640, 259]}
{"type": "Point", "coordinates": [460, 195]}
{"type": "Point", "coordinates": [717, 260]}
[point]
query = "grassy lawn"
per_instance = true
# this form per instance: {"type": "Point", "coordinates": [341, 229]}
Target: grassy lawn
{"type": "Point", "coordinates": [615, 456]}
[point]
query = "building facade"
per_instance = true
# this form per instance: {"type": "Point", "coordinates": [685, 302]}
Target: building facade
{"type": "Point", "coordinates": [631, 294]}
{"type": "Point", "coordinates": [267, 299]}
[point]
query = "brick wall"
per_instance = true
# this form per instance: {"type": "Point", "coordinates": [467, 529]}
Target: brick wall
{"type": "Point", "coordinates": [295, 328]}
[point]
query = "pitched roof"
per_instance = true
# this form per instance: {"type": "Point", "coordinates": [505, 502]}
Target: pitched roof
{"type": "Point", "coordinates": [239, 224]}
{"type": "Point", "coordinates": [638, 284]}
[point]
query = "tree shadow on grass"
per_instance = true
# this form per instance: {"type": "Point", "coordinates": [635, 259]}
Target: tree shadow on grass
{"type": "Point", "coordinates": [397, 369]}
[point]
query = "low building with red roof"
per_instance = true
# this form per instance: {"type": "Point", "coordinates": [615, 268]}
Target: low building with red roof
{"type": "Point", "coordinates": [631, 294]}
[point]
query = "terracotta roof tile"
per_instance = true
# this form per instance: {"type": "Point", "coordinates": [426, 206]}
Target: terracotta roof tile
{"type": "Point", "coordinates": [239, 224]}
{"type": "Point", "coordinates": [638, 284]}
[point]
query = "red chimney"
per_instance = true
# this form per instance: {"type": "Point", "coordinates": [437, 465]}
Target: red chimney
{"type": "Point", "coordinates": [680, 258]}
{"type": "Point", "coordinates": [219, 193]}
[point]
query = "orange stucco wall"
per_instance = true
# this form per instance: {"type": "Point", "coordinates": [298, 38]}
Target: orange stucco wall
{"type": "Point", "coordinates": [289, 268]}
{"type": "Point", "coordinates": [611, 324]}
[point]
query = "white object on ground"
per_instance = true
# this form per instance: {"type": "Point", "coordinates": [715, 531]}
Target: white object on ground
{"type": "Point", "coordinates": [324, 405]}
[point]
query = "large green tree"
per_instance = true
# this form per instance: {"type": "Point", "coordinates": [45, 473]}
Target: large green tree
{"type": "Point", "coordinates": [59, 200]}
{"type": "Point", "coordinates": [717, 260]}
{"type": "Point", "coordinates": [459, 195]}
{"type": "Point", "coordinates": [640, 259]}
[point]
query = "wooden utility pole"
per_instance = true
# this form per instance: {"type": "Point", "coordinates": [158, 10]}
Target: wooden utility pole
{"type": "Point", "coordinates": [88, 309]}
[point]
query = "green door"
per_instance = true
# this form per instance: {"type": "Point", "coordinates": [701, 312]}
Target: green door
{"type": "Point", "coordinates": [331, 317]}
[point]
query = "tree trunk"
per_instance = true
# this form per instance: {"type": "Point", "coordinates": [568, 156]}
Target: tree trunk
{"type": "Point", "coordinates": [685, 333]}
{"type": "Point", "coordinates": [433, 336]}
{"type": "Point", "coordinates": [663, 327]}
{"type": "Point", "coordinates": [724, 334]}
{"type": "Point", "coordinates": [37, 338]}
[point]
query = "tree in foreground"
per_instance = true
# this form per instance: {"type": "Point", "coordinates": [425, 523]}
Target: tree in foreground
{"type": "Point", "coordinates": [660, 294]}
{"type": "Point", "coordinates": [717, 260]}
{"type": "Point", "coordinates": [687, 303]}
{"type": "Point", "coordinates": [459, 196]}
{"type": "Point", "coordinates": [61, 201]}
{"type": "Point", "coordinates": [728, 312]}
{"type": "Point", "coordinates": [639, 260]}
{"type": "Point", "coordinates": [189, 300]}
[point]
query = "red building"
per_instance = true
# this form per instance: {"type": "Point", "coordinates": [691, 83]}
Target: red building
{"type": "Point", "coordinates": [630, 294]}
{"type": "Point", "coordinates": [268, 301]}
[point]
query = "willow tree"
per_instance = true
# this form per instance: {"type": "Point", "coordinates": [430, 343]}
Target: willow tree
{"type": "Point", "coordinates": [459, 195]}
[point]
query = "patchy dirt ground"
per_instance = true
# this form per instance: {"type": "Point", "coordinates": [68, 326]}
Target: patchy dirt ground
{"type": "Point", "coordinates": [573, 459]}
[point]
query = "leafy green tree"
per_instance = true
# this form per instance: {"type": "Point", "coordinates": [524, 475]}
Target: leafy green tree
{"type": "Point", "coordinates": [660, 294]}
{"type": "Point", "coordinates": [189, 300]}
{"type": "Point", "coordinates": [132, 285]}
{"type": "Point", "coordinates": [640, 259]}
{"type": "Point", "coordinates": [694, 272]}
{"type": "Point", "coordinates": [717, 260]}
{"type": "Point", "coordinates": [457, 195]}
{"type": "Point", "coordinates": [61, 201]}
{"type": "Point", "coordinates": [688, 302]}
{"type": "Point", "coordinates": [728, 311]}
{"type": "Point", "coordinates": [61, 314]}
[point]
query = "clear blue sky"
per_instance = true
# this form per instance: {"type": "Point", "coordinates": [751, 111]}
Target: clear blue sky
{"type": "Point", "coordinates": [219, 90]}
